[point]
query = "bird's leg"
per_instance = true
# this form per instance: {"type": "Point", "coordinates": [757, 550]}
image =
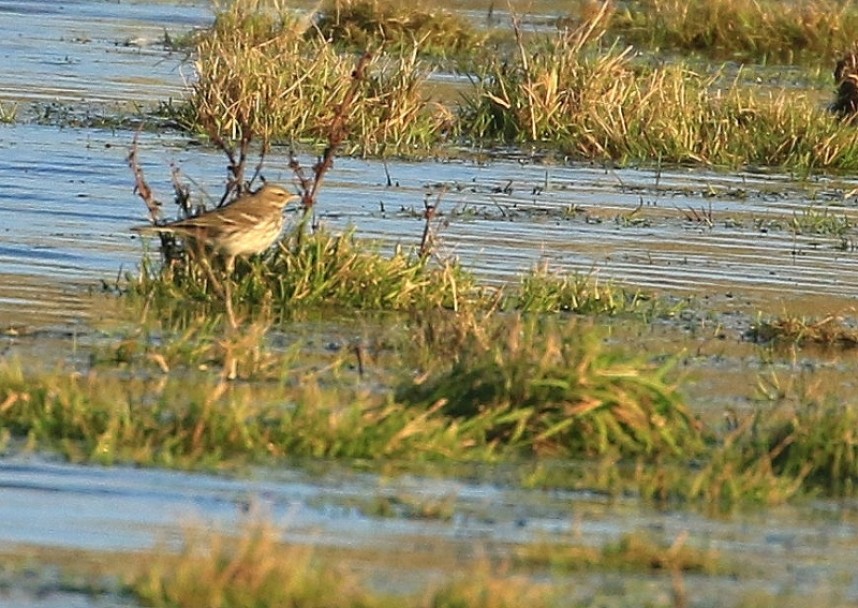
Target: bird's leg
{"type": "Point", "coordinates": [199, 256]}
{"type": "Point", "coordinates": [230, 362]}
{"type": "Point", "coordinates": [218, 287]}
{"type": "Point", "coordinates": [227, 295]}
{"type": "Point", "coordinates": [224, 290]}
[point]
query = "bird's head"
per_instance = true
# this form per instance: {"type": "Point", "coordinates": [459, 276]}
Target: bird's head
{"type": "Point", "coordinates": [276, 196]}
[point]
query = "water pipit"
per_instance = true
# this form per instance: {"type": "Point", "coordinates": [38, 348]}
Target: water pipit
{"type": "Point", "coordinates": [250, 224]}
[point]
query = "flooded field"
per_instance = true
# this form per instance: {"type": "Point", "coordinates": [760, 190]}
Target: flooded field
{"type": "Point", "coordinates": [733, 245]}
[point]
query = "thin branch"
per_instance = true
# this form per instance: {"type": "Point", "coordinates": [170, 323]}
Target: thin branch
{"type": "Point", "coordinates": [181, 191]}
{"type": "Point", "coordinates": [337, 133]}
{"type": "Point", "coordinates": [266, 147]}
{"type": "Point", "coordinates": [141, 187]}
{"type": "Point", "coordinates": [233, 186]}
{"type": "Point", "coordinates": [298, 170]}
{"type": "Point", "coordinates": [246, 136]}
{"type": "Point", "coordinates": [429, 214]}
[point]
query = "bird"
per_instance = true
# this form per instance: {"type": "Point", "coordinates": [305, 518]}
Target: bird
{"type": "Point", "coordinates": [250, 224]}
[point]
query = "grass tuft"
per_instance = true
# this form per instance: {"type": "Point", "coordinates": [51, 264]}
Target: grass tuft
{"type": "Point", "coordinates": [597, 104]}
{"type": "Point", "coordinates": [764, 31]}
{"type": "Point", "coordinates": [815, 443]}
{"type": "Point", "coordinates": [545, 291]}
{"type": "Point", "coordinates": [270, 75]}
{"type": "Point", "coordinates": [8, 112]}
{"type": "Point", "coordinates": [830, 331]}
{"type": "Point", "coordinates": [251, 569]}
{"type": "Point", "coordinates": [551, 389]}
{"type": "Point", "coordinates": [631, 552]}
{"type": "Point", "coordinates": [320, 269]}
{"type": "Point", "coordinates": [362, 24]}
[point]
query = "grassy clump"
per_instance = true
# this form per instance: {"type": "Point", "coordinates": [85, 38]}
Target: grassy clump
{"type": "Point", "coordinates": [362, 24]}
{"type": "Point", "coordinates": [553, 391]}
{"type": "Point", "coordinates": [491, 389]}
{"type": "Point", "coordinates": [815, 443]}
{"type": "Point", "coordinates": [256, 569]}
{"type": "Point", "coordinates": [545, 291]}
{"type": "Point", "coordinates": [824, 222]}
{"type": "Point", "coordinates": [598, 105]}
{"type": "Point", "coordinates": [631, 552]}
{"type": "Point", "coordinates": [815, 31]}
{"type": "Point", "coordinates": [325, 269]}
{"type": "Point", "coordinates": [776, 452]}
{"type": "Point", "coordinates": [830, 331]}
{"type": "Point", "coordinates": [8, 113]}
{"type": "Point", "coordinates": [268, 76]}
{"type": "Point", "coordinates": [251, 570]}
{"type": "Point", "coordinates": [276, 77]}
{"type": "Point", "coordinates": [321, 269]}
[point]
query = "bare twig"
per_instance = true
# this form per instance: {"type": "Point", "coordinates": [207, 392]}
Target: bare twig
{"type": "Point", "coordinates": [337, 133]}
{"type": "Point", "coordinates": [244, 145]}
{"type": "Point", "coordinates": [181, 191]}
{"type": "Point", "coordinates": [257, 172]}
{"type": "Point", "coordinates": [703, 217]}
{"type": "Point", "coordinates": [303, 181]}
{"type": "Point", "coordinates": [142, 188]}
{"type": "Point", "coordinates": [235, 168]}
{"type": "Point", "coordinates": [428, 238]}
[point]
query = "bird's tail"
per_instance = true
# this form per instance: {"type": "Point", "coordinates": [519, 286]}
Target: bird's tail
{"type": "Point", "coordinates": [150, 229]}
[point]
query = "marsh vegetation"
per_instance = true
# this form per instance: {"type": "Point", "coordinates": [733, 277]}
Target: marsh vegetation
{"type": "Point", "coordinates": [530, 377]}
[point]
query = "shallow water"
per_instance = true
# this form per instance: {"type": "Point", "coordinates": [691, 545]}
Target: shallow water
{"type": "Point", "coordinates": [92, 53]}
{"type": "Point", "coordinates": [788, 550]}
{"type": "Point", "coordinates": [66, 203]}
{"type": "Point", "coordinates": [66, 206]}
